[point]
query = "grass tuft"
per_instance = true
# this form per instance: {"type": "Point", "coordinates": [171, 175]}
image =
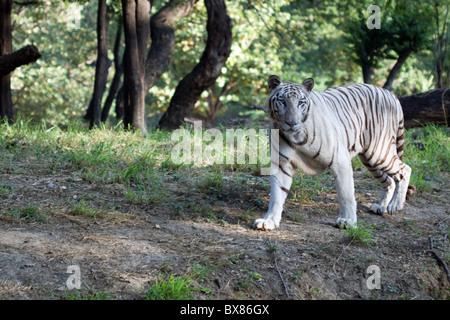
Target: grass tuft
{"type": "Point", "coordinates": [173, 288]}
{"type": "Point", "coordinates": [360, 233]}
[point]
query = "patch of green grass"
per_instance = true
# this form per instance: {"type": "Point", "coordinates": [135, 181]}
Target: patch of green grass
{"type": "Point", "coordinates": [313, 293]}
{"type": "Point", "coordinates": [361, 233]}
{"type": "Point", "coordinates": [81, 208]}
{"type": "Point", "coordinates": [408, 222]}
{"type": "Point", "coordinates": [149, 195]}
{"type": "Point", "coordinates": [213, 184]}
{"type": "Point", "coordinates": [297, 275]}
{"type": "Point", "coordinates": [77, 295]}
{"type": "Point", "coordinates": [5, 190]}
{"type": "Point", "coordinates": [272, 247]}
{"type": "Point", "coordinates": [427, 152]}
{"type": "Point", "coordinates": [297, 217]}
{"type": "Point", "coordinates": [173, 288]}
{"type": "Point", "coordinates": [247, 216]}
{"type": "Point", "coordinates": [304, 187]}
{"type": "Point", "coordinates": [99, 155]}
{"type": "Point", "coordinates": [251, 279]}
{"type": "Point", "coordinates": [30, 212]}
{"type": "Point", "coordinates": [213, 180]}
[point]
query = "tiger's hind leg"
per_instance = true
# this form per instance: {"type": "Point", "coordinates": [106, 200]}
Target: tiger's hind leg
{"type": "Point", "coordinates": [401, 173]}
{"type": "Point", "coordinates": [402, 178]}
{"type": "Point", "coordinates": [389, 187]}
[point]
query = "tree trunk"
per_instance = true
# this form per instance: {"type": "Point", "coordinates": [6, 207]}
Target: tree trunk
{"type": "Point", "coordinates": [120, 101]}
{"type": "Point", "coordinates": [163, 39]}
{"type": "Point", "coordinates": [10, 62]}
{"type": "Point", "coordinates": [437, 52]}
{"type": "Point", "coordinates": [163, 43]}
{"type": "Point", "coordinates": [136, 21]}
{"type": "Point", "coordinates": [367, 71]}
{"type": "Point", "coordinates": [430, 107]}
{"type": "Point", "coordinates": [118, 66]}
{"type": "Point", "coordinates": [395, 69]}
{"type": "Point", "coordinates": [5, 49]}
{"type": "Point", "coordinates": [101, 66]}
{"type": "Point", "coordinates": [205, 73]}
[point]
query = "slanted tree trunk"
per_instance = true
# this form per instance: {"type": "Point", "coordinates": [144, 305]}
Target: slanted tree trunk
{"type": "Point", "coordinates": [163, 39]}
{"type": "Point", "coordinates": [136, 21]}
{"type": "Point", "coordinates": [430, 107]}
{"type": "Point", "coordinates": [5, 49]}
{"type": "Point", "coordinates": [205, 73]}
{"type": "Point", "coordinates": [396, 68]}
{"type": "Point", "coordinates": [101, 67]}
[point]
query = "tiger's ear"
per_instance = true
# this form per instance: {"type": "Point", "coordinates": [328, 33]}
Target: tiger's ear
{"type": "Point", "coordinates": [273, 82]}
{"type": "Point", "coordinates": [308, 84]}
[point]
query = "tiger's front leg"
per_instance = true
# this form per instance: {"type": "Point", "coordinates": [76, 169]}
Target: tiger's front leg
{"type": "Point", "coordinates": [343, 175]}
{"type": "Point", "coordinates": [280, 183]}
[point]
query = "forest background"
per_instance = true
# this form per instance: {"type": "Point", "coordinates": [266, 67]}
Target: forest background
{"type": "Point", "coordinates": [327, 40]}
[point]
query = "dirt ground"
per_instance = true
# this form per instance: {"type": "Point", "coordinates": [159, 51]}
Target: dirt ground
{"type": "Point", "coordinates": [123, 251]}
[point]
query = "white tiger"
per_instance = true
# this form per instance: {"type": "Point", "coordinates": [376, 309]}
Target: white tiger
{"type": "Point", "coordinates": [321, 130]}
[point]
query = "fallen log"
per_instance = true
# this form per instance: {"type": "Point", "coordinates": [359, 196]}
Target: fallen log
{"type": "Point", "coordinates": [430, 107]}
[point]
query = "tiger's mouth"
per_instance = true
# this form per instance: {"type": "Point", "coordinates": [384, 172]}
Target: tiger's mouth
{"type": "Point", "coordinates": [288, 128]}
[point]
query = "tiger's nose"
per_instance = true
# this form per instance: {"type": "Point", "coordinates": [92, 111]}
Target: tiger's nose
{"type": "Point", "coordinates": [291, 123]}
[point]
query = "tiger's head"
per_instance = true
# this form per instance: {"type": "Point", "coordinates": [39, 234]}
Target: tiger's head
{"type": "Point", "coordinates": [288, 103]}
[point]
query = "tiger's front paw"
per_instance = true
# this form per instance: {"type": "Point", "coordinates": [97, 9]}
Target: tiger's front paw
{"type": "Point", "coordinates": [377, 209]}
{"type": "Point", "coordinates": [343, 223]}
{"type": "Point", "coordinates": [265, 224]}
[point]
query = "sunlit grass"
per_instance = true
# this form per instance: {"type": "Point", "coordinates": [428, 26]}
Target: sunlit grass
{"type": "Point", "coordinates": [427, 152]}
{"type": "Point", "coordinates": [173, 288]}
{"type": "Point", "coordinates": [144, 164]}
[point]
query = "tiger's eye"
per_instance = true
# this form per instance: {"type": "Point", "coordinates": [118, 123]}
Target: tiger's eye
{"type": "Point", "coordinates": [301, 103]}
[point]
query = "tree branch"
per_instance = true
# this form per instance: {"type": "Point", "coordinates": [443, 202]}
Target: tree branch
{"type": "Point", "coordinates": [439, 259]}
{"type": "Point", "coordinates": [25, 55]}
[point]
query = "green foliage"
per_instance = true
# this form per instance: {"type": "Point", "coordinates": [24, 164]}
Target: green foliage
{"type": "Point", "coordinates": [327, 40]}
{"type": "Point", "coordinates": [174, 288]}
{"type": "Point", "coordinates": [427, 152]}
{"type": "Point", "coordinates": [404, 27]}
{"type": "Point", "coordinates": [58, 86]}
